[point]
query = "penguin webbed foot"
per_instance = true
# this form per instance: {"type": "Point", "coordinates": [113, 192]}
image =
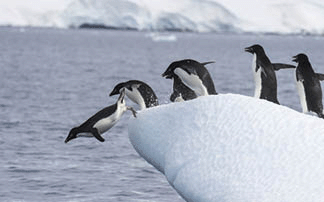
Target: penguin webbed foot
{"type": "Point", "coordinates": [320, 115]}
{"type": "Point", "coordinates": [132, 110]}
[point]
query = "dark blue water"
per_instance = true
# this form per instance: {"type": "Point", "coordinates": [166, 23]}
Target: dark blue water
{"type": "Point", "coordinates": [52, 80]}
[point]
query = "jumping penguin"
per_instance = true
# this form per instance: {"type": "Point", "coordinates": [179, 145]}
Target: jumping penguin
{"type": "Point", "coordinates": [309, 86]}
{"type": "Point", "coordinates": [193, 74]}
{"type": "Point", "coordinates": [102, 121]}
{"type": "Point", "coordinates": [264, 74]}
{"type": "Point", "coordinates": [137, 91]}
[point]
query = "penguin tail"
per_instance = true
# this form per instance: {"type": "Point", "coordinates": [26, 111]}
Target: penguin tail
{"type": "Point", "coordinates": [206, 63]}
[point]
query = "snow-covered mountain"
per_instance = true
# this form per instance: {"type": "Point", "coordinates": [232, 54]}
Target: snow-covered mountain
{"type": "Point", "coordinates": [193, 15]}
{"type": "Point", "coordinates": [275, 16]}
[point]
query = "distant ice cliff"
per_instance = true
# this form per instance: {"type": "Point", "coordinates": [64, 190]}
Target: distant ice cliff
{"type": "Point", "coordinates": [190, 15]}
{"type": "Point", "coordinates": [274, 16]}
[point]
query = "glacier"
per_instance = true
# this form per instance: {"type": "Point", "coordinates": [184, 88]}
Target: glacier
{"type": "Point", "coordinates": [233, 148]}
{"type": "Point", "coordinates": [269, 16]}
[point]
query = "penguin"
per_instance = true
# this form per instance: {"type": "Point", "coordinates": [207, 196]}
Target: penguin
{"type": "Point", "coordinates": [308, 85]}
{"type": "Point", "coordinates": [137, 91]}
{"type": "Point", "coordinates": [193, 74]}
{"type": "Point", "coordinates": [102, 121]}
{"type": "Point", "coordinates": [264, 74]}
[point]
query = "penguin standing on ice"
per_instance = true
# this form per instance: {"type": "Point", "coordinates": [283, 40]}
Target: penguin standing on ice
{"type": "Point", "coordinates": [102, 121]}
{"type": "Point", "coordinates": [137, 91]}
{"type": "Point", "coordinates": [309, 86]}
{"type": "Point", "coordinates": [192, 74]}
{"type": "Point", "coordinates": [264, 74]}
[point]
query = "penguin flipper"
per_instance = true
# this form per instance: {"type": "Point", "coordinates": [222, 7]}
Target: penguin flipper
{"type": "Point", "coordinates": [320, 76]}
{"type": "Point", "coordinates": [278, 66]}
{"type": "Point", "coordinates": [95, 133]}
{"type": "Point", "coordinates": [299, 77]}
{"type": "Point", "coordinates": [263, 72]}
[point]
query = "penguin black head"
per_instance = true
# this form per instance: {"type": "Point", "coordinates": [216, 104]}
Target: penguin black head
{"type": "Point", "coordinates": [300, 58]}
{"type": "Point", "coordinates": [119, 87]}
{"type": "Point", "coordinates": [72, 134]}
{"type": "Point", "coordinates": [256, 48]}
{"type": "Point", "coordinates": [169, 72]}
{"type": "Point", "coordinates": [128, 84]}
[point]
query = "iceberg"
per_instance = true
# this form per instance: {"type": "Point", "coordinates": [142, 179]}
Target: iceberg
{"type": "Point", "coordinates": [233, 148]}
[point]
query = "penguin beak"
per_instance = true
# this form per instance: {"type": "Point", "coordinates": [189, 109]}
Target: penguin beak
{"type": "Point", "coordinates": [248, 49]}
{"type": "Point", "coordinates": [167, 74]}
{"type": "Point", "coordinates": [118, 88]}
{"type": "Point", "coordinates": [114, 92]}
{"type": "Point", "coordinates": [295, 59]}
{"type": "Point", "coordinates": [71, 136]}
{"type": "Point", "coordinates": [122, 95]}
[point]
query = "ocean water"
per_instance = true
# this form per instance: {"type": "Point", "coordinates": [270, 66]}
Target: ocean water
{"type": "Point", "coordinates": [53, 80]}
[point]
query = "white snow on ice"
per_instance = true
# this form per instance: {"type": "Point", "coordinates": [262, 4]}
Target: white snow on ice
{"type": "Point", "coordinates": [233, 148]}
{"type": "Point", "coordinates": [277, 16]}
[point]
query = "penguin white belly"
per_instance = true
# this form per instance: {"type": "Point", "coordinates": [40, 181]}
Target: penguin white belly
{"type": "Point", "coordinates": [136, 97]}
{"type": "Point", "coordinates": [106, 123]}
{"type": "Point", "coordinates": [257, 77]}
{"type": "Point", "coordinates": [302, 96]}
{"type": "Point", "coordinates": [192, 81]}
{"type": "Point", "coordinates": [84, 135]}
